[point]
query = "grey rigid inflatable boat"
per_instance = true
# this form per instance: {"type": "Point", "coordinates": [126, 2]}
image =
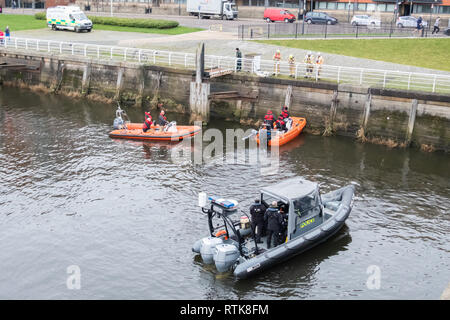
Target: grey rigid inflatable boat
{"type": "Point", "coordinates": [311, 219]}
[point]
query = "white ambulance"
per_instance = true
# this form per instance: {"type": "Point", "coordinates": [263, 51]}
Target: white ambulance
{"type": "Point", "coordinates": [69, 18]}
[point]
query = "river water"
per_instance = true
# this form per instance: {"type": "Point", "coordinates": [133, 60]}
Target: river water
{"type": "Point", "coordinates": [126, 215]}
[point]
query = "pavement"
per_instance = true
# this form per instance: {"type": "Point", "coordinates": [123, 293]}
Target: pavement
{"type": "Point", "coordinates": [221, 43]}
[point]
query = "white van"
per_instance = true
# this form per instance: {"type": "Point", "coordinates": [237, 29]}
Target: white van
{"type": "Point", "coordinates": [69, 18]}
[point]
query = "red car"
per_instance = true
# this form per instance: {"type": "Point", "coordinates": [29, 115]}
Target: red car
{"type": "Point", "coordinates": [272, 15]}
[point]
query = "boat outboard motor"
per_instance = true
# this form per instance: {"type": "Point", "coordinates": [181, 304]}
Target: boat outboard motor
{"type": "Point", "coordinates": [207, 248]}
{"type": "Point", "coordinates": [119, 123]}
{"type": "Point", "coordinates": [171, 127]}
{"type": "Point", "coordinates": [225, 256]}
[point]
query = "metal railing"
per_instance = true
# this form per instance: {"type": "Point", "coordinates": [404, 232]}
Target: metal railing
{"type": "Point", "coordinates": [256, 66]}
{"type": "Point", "coordinates": [340, 30]}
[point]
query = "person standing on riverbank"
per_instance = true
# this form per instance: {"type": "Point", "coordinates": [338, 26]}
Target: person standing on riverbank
{"type": "Point", "coordinates": [291, 62]}
{"type": "Point", "coordinates": [276, 62]}
{"type": "Point", "coordinates": [436, 25]}
{"type": "Point", "coordinates": [7, 34]}
{"type": "Point", "coordinates": [238, 60]}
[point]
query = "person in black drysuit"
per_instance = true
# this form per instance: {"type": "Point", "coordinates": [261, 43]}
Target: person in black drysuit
{"type": "Point", "coordinates": [257, 211]}
{"type": "Point", "coordinates": [274, 223]}
{"type": "Point", "coordinates": [284, 224]}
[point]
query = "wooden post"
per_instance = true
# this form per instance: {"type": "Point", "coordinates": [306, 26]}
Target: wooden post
{"type": "Point", "coordinates": [411, 121]}
{"type": "Point", "coordinates": [199, 90]}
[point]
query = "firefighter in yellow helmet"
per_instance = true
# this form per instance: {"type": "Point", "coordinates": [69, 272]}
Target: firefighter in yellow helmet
{"type": "Point", "coordinates": [276, 61]}
{"type": "Point", "coordinates": [309, 61]}
{"type": "Point", "coordinates": [291, 61]}
{"type": "Point", "coordinates": [319, 63]}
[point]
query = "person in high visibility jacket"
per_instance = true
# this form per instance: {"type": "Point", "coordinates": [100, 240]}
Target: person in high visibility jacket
{"type": "Point", "coordinates": [1, 36]}
{"type": "Point", "coordinates": [319, 63]}
{"type": "Point", "coordinates": [276, 60]}
{"type": "Point", "coordinates": [309, 61]}
{"type": "Point", "coordinates": [291, 61]}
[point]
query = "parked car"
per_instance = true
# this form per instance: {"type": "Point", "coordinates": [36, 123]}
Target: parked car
{"type": "Point", "coordinates": [272, 15]}
{"type": "Point", "coordinates": [409, 22]}
{"type": "Point", "coordinates": [365, 20]}
{"type": "Point", "coordinates": [319, 18]}
{"type": "Point", "coordinates": [447, 32]}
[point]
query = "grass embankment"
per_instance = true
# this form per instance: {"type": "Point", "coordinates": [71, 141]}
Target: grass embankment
{"type": "Point", "coordinates": [27, 22]}
{"type": "Point", "coordinates": [20, 22]}
{"type": "Point", "coordinates": [425, 53]}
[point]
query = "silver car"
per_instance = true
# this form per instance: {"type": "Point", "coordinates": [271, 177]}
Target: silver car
{"type": "Point", "coordinates": [409, 22]}
{"type": "Point", "coordinates": [365, 20]}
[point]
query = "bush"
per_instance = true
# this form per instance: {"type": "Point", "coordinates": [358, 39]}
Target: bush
{"type": "Point", "coordinates": [125, 22]}
{"type": "Point", "coordinates": [40, 16]}
{"type": "Point", "coordinates": [135, 23]}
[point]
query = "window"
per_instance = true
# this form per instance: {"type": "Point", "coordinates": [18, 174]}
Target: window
{"type": "Point", "coordinates": [361, 7]}
{"type": "Point", "coordinates": [307, 205]}
{"type": "Point", "coordinates": [322, 5]}
{"type": "Point", "coordinates": [371, 7]}
{"type": "Point", "coordinates": [390, 7]}
{"type": "Point", "coordinates": [381, 7]}
{"type": "Point", "coordinates": [332, 6]}
{"type": "Point", "coordinates": [341, 6]}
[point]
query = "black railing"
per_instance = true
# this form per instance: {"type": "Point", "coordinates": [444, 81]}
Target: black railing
{"type": "Point", "coordinates": [343, 30]}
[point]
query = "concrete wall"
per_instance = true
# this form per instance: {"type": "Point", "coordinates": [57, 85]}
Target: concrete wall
{"type": "Point", "coordinates": [375, 115]}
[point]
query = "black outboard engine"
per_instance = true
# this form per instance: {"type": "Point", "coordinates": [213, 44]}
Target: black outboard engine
{"type": "Point", "coordinates": [119, 122]}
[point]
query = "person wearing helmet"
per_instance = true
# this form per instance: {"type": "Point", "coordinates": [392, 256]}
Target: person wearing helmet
{"type": "Point", "coordinates": [309, 60]}
{"type": "Point", "coordinates": [319, 63]}
{"type": "Point", "coordinates": [291, 62]}
{"type": "Point", "coordinates": [276, 60]}
{"type": "Point", "coordinates": [257, 212]}
{"type": "Point", "coordinates": [269, 119]}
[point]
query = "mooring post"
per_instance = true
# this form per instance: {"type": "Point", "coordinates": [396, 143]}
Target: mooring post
{"type": "Point", "coordinates": [119, 83]}
{"type": "Point", "coordinates": [333, 107]}
{"type": "Point", "coordinates": [199, 90]}
{"type": "Point", "coordinates": [412, 120]}
{"type": "Point", "coordinates": [366, 111]}
{"type": "Point", "coordinates": [288, 98]}
{"type": "Point", "coordinates": [86, 79]}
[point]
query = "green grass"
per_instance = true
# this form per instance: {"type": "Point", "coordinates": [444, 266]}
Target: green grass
{"type": "Point", "coordinates": [20, 22]}
{"type": "Point", "coordinates": [28, 22]}
{"type": "Point", "coordinates": [425, 53]}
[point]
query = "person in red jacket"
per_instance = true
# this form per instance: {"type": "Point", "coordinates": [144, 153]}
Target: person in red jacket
{"type": "Point", "coordinates": [285, 112]}
{"type": "Point", "coordinates": [269, 119]}
{"type": "Point", "coordinates": [148, 122]}
{"type": "Point", "coordinates": [281, 125]}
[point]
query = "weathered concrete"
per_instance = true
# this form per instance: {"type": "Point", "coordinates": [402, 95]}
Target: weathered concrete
{"type": "Point", "coordinates": [446, 294]}
{"type": "Point", "coordinates": [404, 117]}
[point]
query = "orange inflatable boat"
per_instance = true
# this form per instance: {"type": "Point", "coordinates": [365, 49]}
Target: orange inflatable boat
{"type": "Point", "coordinates": [278, 139]}
{"type": "Point", "coordinates": [173, 133]}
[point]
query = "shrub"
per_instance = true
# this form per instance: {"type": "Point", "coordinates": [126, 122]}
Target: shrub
{"type": "Point", "coordinates": [40, 16]}
{"type": "Point", "coordinates": [125, 22]}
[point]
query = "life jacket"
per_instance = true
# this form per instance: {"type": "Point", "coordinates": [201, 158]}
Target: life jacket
{"type": "Point", "coordinates": [268, 118]}
{"type": "Point", "coordinates": [285, 113]}
{"type": "Point", "coordinates": [280, 122]}
{"type": "Point", "coordinates": [148, 121]}
{"type": "Point", "coordinates": [277, 56]}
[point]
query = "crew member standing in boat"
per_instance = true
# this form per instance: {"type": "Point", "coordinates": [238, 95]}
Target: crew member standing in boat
{"type": "Point", "coordinates": [284, 224]}
{"type": "Point", "coordinates": [285, 112]}
{"type": "Point", "coordinates": [257, 213]}
{"type": "Point", "coordinates": [148, 122]}
{"type": "Point", "coordinates": [269, 119]}
{"type": "Point", "coordinates": [274, 223]}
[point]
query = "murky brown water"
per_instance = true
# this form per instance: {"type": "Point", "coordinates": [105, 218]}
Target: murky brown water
{"type": "Point", "coordinates": [127, 215]}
